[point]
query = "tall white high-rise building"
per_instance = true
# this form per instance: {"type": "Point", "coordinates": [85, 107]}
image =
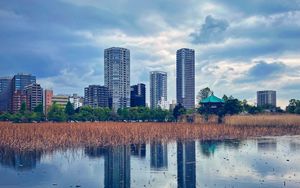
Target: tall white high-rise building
{"type": "Point", "coordinates": [117, 76]}
{"type": "Point", "coordinates": [158, 88]}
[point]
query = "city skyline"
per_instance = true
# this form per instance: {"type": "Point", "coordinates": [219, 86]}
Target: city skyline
{"type": "Point", "coordinates": [240, 47]}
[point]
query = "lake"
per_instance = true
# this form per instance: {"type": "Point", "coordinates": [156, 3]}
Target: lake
{"type": "Point", "coordinates": [257, 162]}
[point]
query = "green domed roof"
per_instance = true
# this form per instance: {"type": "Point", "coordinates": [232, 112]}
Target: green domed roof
{"type": "Point", "coordinates": [212, 99]}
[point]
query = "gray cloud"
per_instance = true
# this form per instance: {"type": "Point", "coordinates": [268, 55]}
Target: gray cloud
{"type": "Point", "coordinates": [213, 30]}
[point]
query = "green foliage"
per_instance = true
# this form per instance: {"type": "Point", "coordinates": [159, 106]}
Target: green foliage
{"type": "Point", "coordinates": [56, 113]}
{"type": "Point", "coordinates": [293, 107]}
{"type": "Point", "coordinates": [23, 108]}
{"type": "Point", "coordinates": [203, 94]}
{"type": "Point", "coordinates": [178, 111]}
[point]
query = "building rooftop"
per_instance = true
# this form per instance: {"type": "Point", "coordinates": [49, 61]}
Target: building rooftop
{"type": "Point", "coordinates": [212, 99]}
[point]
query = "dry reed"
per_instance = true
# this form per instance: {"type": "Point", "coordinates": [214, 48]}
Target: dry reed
{"type": "Point", "coordinates": [52, 136]}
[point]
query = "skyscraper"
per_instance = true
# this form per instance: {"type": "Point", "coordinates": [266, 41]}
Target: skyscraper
{"type": "Point", "coordinates": [266, 98]}
{"type": "Point", "coordinates": [5, 94]}
{"type": "Point", "coordinates": [20, 81]}
{"type": "Point", "coordinates": [117, 76]}
{"type": "Point", "coordinates": [96, 96]}
{"type": "Point", "coordinates": [185, 77]}
{"type": "Point", "coordinates": [34, 96]}
{"type": "Point", "coordinates": [158, 88]}
{"type": "Point", "coordinates": [138, 95]}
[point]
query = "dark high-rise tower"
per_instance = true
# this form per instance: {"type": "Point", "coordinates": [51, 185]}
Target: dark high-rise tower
{"type": "Point", "coordinates": [20, 81]}
{"type": "Point", "coordinates": [185, 77]}
{"type": "Point", "coordinates": [117, 76]}
{"type": "Point", "coordinates": [5, 94]}
{"type": "Point", "coordinates": [138, 95]}
{"type": "Point", "coordinates": [96, 96]}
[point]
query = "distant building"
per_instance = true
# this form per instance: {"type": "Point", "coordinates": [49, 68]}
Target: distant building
{"type": "Point", "coordinates": [76, 101]}
{"type": "Point", "coordinates": [172, 105]}
{"type": "Point", "coordinates": [138, 95]}
{"type": "Point", "coordinates": [96, 96]}
{"type": "Point", "coordinates": [20, 81]}
{"type": "Point", "coordinates": [61, 100]}
{"type": "Point", "coordinates": [5, 94]}
{"type": "Point", "coordinates": [266, 98]}
{"type": "Point", "coordinates": [185, 77]}
{"type": "Point", "coordinates": [34, 96]}
{"type": "Point", "coordinates": [117, 76]}
{"type": "Point", "coordinates": [18, 97]}
{"type": "Point", "coordinates": [48, 94]}
{"type": "Point", "coordinates": [164, 104]}
{"type": "Point", "coordinates": [158, 88]}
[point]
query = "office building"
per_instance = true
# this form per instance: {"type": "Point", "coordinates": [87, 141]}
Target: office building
{"type": "Point", "coordinates": [266, 98]}
{"type": "Point", "coordinates": [76, 101]}
{"type": "Point", "coordinates": [48, 94]}
{"type": "Point", "coordinates": [61, 100]}
{"type": "Point", "coordinates": [34, 96]}
{"type": "Point", "coordinates": [117, 166]}
{"type": "Point", "coordinates": [158, 155]}
{"type": "Point", "coordinates": [20, 81]}
{"type": "Point", "coordinates": [138, 95]}
{"type": "Point", "coordinates": [5, 94]}
{"type": "Point", "coordinates": [185, 77]}
{"type": "Point", "coordinates": [117, 76]}
{"type": "Point", "coordinates": [186, 164]}
{"type": "Point", "coordinates": [96, 96]}
{"type": "Point", "coordinates": [18, 97]}
{"type": "Point", "coordinates": [158, 88]}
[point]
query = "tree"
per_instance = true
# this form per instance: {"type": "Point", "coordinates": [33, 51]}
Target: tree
{"type": "Point", "coordinates": [69, 110]}
{"type": "Point", "coordinates": [204, 93]}
{"type": "Point", "coordinates": [178, 111]}
{"type": "Point", "coordinates": [56, 113]}
{"type": "Point", "coordinates": [23, 108]}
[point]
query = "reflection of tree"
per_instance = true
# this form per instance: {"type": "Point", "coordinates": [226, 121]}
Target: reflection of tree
{"type": "Point", "coordinates": [232, 144]}
{"type": "Point", "coordinates": [117, 166]}
{"type": "Point", "coordinates": [186, 164]}
{"type": "Point", "coordinates": [266, 144]}
{"type": "Point", "coordinates": [208, 147]}
{"type": "Point", "coordinates": [138, 150]}
{"type": "Point", "coordinates": [94, 152]}
{"type": "Point", "coordinates": [26, 160]}
{"type": "Point", "coordinates": [158, 155]}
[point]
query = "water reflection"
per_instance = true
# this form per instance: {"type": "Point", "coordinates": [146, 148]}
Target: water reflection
{"type": "Point", "coordinates": [266, 144]}
{"type": "Point", "coordinates": [159, 156]}
{"type": "Point", "coordinates": [186, 164]}
{"type": "Point", "coordinates": [208, 147]}
{"type": "Point", "coordinates": [138, 150]}
{"type": "Point", "coordinates": [117, 167]}
{"type": "Point", "coordinates": [19, 160]}
{"type": "Point", "coordinates": [94, 152]}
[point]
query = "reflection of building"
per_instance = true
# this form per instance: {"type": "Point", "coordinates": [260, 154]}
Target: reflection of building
{"type": "Point", "coordinates": [266, 144]}
{"type": "Point", "coordinates": [158, 155]}
{"type": "Point", "coordinates": [158, 88]}
{"type": "Point", "coordinates": [294, 146]}
{"type": "Point", "coordinates": [117, 167]}
{"type": "Point", "coordinates": [208, 147]}
{"type": "Point", "coordinates": [117, 76]}
{"type": "Point", "coordinates": [185, 77]}
{"type": "Point", "coordinates": [186, 164]}
{"type": "Point", "coordinates": [266, 98]}
{"type": "Point", "coordinates": [19, 160]}
{"type": "Point", "coordinates": [138, 95]}
{"type": "Point", "coordinates": [138, 150]}
{"type": "Point", "coordinates": [94, 152]}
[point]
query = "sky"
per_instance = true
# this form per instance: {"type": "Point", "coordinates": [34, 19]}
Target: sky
{"type": "Point", "coordinates": [240, 46]}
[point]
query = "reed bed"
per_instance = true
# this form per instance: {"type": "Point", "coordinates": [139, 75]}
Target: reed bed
{"type": "Point", "coordinates": [52, 136]}
{"type": "Point", "coordinates": [263, 120]}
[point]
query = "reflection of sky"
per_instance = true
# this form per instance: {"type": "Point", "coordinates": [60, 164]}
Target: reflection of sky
{"type": "Point", "coordinates": [233, 164]}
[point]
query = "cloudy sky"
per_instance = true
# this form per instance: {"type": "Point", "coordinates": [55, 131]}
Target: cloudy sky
{"type": "Point", "coordinates": [241, 46]}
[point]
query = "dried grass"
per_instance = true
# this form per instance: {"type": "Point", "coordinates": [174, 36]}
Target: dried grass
{"type": "Point", "coordinates": [52, 136]}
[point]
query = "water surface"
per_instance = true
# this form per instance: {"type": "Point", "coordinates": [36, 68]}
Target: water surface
{"type": "Point", "coordinates": [259, 162]}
